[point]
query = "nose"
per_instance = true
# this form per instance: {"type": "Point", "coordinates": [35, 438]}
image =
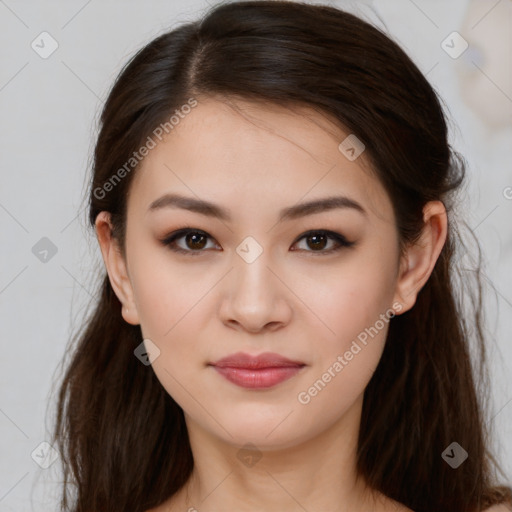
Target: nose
{"type": "Point", "coordinates": [255, 298]}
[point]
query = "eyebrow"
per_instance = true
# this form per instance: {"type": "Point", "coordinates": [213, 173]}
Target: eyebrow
{"type": "Point", "coordinates": [292, 212]}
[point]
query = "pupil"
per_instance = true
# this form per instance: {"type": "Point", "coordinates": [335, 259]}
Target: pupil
{"type": "Point", "coordinates": [316, 237]}
{"type": "Point", "coordinates": [191, 237]}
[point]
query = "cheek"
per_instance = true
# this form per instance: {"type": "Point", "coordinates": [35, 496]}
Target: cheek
{"type": "Point", "coordinates": [355, 311]}
{"type": "Point", "coordinates": [344, 362]}
{"type": "Point", "coordinates": [166, 294]}
{"type": "Point", "coordinates": [349, 302]}
{"type": "Point", "coordinates": [171, 308]}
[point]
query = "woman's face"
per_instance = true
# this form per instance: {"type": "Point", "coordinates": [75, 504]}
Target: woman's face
{"type": "Point", "coordinates": [253, 280]}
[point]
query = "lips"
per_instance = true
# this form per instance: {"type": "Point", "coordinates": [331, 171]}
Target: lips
{"type": "Point", "coordinates": [257, 372]}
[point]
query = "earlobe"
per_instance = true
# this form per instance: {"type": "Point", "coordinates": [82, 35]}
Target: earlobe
{"type": "Point", "coordinates": [420, 258]}
{"type": "Point", "coordinates": [116, 267]}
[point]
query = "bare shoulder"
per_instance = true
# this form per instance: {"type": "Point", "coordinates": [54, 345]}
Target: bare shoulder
{"type": "Point", "coordinates": [499, 508]}
{"type": "Point", "coordinates": [494, 508]}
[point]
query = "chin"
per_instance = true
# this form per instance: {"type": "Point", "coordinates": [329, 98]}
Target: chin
{"type": "Point", "coordinates": [269, 432]}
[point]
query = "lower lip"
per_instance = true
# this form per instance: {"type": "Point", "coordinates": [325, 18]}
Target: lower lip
{"type": "Point", "coordinates": [258, 379]}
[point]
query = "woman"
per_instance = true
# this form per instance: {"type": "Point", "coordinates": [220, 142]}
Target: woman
{"type": "Point", "coordinates": [280, 326]}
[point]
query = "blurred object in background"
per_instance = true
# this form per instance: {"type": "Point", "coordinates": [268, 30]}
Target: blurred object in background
{"type": "Point", "coordinates": [485, 68]}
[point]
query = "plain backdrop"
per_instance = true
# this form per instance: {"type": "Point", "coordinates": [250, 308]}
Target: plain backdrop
{"type": "Point", "coordinates": [49, 109]}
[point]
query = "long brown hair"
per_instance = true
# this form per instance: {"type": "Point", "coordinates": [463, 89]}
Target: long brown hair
{"type": "Point", "coordinates": [426, 391]}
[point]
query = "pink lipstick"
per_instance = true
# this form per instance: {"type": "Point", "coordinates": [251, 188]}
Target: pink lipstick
{"type": "Point", "coordinates": [257, 372]}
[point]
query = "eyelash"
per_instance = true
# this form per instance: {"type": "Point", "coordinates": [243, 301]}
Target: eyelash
{"type": "Point", "coordinates": [170, 240]}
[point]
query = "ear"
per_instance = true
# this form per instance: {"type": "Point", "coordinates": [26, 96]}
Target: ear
{"type": "Point", "coordinates": [116, 267]}
{"type": "Point", "coordinates": [418, 263]}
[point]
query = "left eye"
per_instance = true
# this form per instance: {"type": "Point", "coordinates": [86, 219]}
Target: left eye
{"type": "Point", "coordinates": [196, 240]}
{"type": "Point", "coordinates": [319, 239]}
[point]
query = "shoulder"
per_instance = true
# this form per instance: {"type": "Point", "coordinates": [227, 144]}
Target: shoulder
{"type": "Point", "coordinates": [499, 508]}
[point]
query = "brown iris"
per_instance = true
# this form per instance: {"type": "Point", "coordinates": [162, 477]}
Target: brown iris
{"type": "Point", "coordinates": [195, 240]}
{"type": "Point", "coordinates": [319, 241]}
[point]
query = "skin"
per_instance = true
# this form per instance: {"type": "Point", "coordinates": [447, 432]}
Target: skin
{"type": "Point", "coordinates": [255, 160]}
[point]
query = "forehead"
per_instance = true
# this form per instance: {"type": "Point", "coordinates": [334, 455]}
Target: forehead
{"type": "Point", "coordinates": [258, 155]}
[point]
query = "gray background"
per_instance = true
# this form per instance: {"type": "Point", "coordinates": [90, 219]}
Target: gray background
{"type": "Point", "coordinates": [49, 110]}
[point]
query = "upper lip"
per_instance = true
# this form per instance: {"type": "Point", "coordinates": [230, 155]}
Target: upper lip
{"type": "Point", "coordinates": [265, 360]}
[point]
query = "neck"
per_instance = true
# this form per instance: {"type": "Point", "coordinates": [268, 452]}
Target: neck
{"type": "Point", "coordinates": [317, 474]}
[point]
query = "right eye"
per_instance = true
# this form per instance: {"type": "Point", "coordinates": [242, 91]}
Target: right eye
{"type": "Point", "coordinates": [194, 239]}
